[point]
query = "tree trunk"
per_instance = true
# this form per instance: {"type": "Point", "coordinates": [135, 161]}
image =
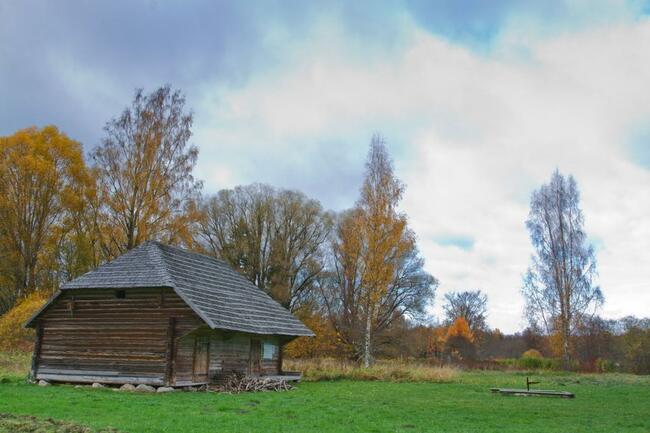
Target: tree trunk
{"type": "Point", "coordinates": [366, 340]}
{"type": "Point", "coordinates": [566, 361]}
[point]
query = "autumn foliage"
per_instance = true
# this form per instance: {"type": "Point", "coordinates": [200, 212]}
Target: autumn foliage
{"type": "Point", "coordinates": [460, 341]}
{"type": "Point", "coordinates": [325, 343]}
{"type": "Point", "coordinates": [460, 329]}
{"type": "Point", "coordinates": [144, 174]}
{"type": "Point", "coordinates": [532, 353]}
{"type": "Point", "coordinates": [13, 335]}
{"type": "Point", "coordinates": [43, 179]}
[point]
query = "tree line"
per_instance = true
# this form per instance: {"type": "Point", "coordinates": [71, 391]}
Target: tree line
{"type": "Point", "coordinates": [356, 277]}
{"type": "Point", "coordinates": [62, 214]}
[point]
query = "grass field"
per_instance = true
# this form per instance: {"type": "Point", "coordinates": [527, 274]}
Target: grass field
{"type": "Point", "coordinates": [603, 403]}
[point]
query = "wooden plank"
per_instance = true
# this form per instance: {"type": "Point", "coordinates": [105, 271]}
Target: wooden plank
{"type": "Point", "coordinates": [80, 378]}
{"type": "Point", "coordinates": [537, 392]}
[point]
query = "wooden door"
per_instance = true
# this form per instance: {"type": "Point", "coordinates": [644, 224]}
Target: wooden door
{"type": "Point", "coordinates": [256, 357]}
{"type": "Point", "coordinates": [201, 359]}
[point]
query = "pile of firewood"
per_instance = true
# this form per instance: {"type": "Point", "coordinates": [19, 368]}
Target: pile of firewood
{"type": "Point", "coordinates": [237, 383]}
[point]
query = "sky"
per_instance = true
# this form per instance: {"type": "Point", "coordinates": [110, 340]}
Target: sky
{"type": "Point", "coordinates": [479, 102]}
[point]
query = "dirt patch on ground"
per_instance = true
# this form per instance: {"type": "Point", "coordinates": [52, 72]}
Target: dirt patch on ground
{"type": "Point", "coordinates": [28, 424]}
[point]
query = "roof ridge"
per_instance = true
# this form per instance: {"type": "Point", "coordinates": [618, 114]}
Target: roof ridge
{"type": "Point", "coordinates": [160, 252]}
{"type": "Point", "coordinates": [188, 251]}
{"type": "Point", "coordinates": [160, 256]}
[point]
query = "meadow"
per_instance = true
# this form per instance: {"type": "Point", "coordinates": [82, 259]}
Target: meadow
{"type": "Point", "coordinates": [454, 401]}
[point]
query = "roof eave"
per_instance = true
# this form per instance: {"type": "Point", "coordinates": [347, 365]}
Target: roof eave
{"type": "Point", "coordinates": [30, 323]}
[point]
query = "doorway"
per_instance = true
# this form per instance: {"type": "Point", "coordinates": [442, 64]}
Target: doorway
{"type": "Point", "coordinates": [201, 360]}
{"type": "Point", "coordinates": [256, 357]}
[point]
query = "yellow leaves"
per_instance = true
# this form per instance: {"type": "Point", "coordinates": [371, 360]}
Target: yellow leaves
{"type": "Point", "coordinates": [381, 229]}
{"type": "Point", "coordinates": [42, 178]}
{"type": "Point", "coordinates": [532, 353]}
{"type": "Point", "coordinates": [144, 171]}
{"type": "Point", "coordinates": [556, 342]}
{"type": "Point", "coordinates": [13, 336]}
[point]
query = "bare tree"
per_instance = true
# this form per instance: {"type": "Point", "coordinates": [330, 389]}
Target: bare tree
{"type": "Point", "coordinates": [145, 185]}
{"type": "Point", "coordinates": [273, 237]}
{"type": "Point", "coordinates": [558, 286]}
{"type": "Point", "coordinates": [470, 305]}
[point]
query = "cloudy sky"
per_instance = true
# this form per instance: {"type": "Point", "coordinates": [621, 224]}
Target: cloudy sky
{"type": "Point", "coordinates": [479, 102]}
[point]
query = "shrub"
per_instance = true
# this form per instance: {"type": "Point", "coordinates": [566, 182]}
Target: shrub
{"type": "Point", "coordinates": [532, 353]}
{"type": "Point", "coordinates": [531, 363]}
{"type": "Point", "coordinates": [605, 366]}
{"type": "Point", "coordinates": [13, 335]}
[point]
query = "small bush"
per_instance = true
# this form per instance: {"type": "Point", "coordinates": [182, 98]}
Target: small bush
{"type": "Point", "coordinates": [531, 363]}
{"type": "Point", "coordinates": [532, 353]}
{"type": "Point", "coordinates": [605, 366]}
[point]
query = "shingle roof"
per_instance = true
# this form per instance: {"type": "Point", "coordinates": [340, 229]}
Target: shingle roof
{"type": "Point", "coordinates": [222, 297]}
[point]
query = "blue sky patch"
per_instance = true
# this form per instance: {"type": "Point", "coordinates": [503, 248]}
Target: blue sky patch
{"type": "Point", "coordinates": [463, 242]}
{"type": "Point", "coordinates": [639, 147]}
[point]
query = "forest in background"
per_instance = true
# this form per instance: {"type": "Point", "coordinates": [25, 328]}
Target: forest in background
{"type": "Point", "coordinates": [355, 277]}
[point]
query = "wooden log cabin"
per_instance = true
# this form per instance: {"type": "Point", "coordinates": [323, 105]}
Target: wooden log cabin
{"type": "Point", "coordinates": [160, 315]}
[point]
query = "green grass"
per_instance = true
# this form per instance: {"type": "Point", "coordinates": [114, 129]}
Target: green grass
{"type": "Point", "coordinates": [604, 403]}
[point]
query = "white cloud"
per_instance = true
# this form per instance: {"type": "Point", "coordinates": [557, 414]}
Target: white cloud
{"type": "Point", "coordinates": [473, 134]}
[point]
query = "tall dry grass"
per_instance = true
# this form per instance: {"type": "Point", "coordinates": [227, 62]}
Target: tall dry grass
{"type": "Point", "coordinates": [14, 363]}
{"type": "Point", "coordinates": [385, 370]}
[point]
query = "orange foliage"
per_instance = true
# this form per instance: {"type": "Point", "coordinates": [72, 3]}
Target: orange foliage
{"type": "Point", "coordinates": [460, 328]}
{"type": "Point", "coordinates": [325, 343]}
{"type": "Point", "coordinates": [435, 339]}
{"type": "Point", "coordinates": [13, 335]}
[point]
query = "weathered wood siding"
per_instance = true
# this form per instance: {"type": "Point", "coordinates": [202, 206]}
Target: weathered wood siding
{"type": "Point", "coordinates": [231, 352]}
{"type": "Point", "coordinates": [271, 366]}
{"type": "Point", "coordinates": [90, 335]}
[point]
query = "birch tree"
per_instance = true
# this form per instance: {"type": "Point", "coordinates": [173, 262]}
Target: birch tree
{"type": "Point", "coordinates": [377, 273]}
{"type": "Point", "coordinates": [559, 285]}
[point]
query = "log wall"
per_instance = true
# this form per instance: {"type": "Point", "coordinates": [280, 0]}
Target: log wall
{"type": "Point", "coordinates": [149, 337]}
{"type": "Point", "coordinates": [93, 336]}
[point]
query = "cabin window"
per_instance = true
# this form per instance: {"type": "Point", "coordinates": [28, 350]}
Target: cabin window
{"type": "Point", "coordinates": [270, 350]}
{"type": "Point", "coordinates": [120, 294]}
